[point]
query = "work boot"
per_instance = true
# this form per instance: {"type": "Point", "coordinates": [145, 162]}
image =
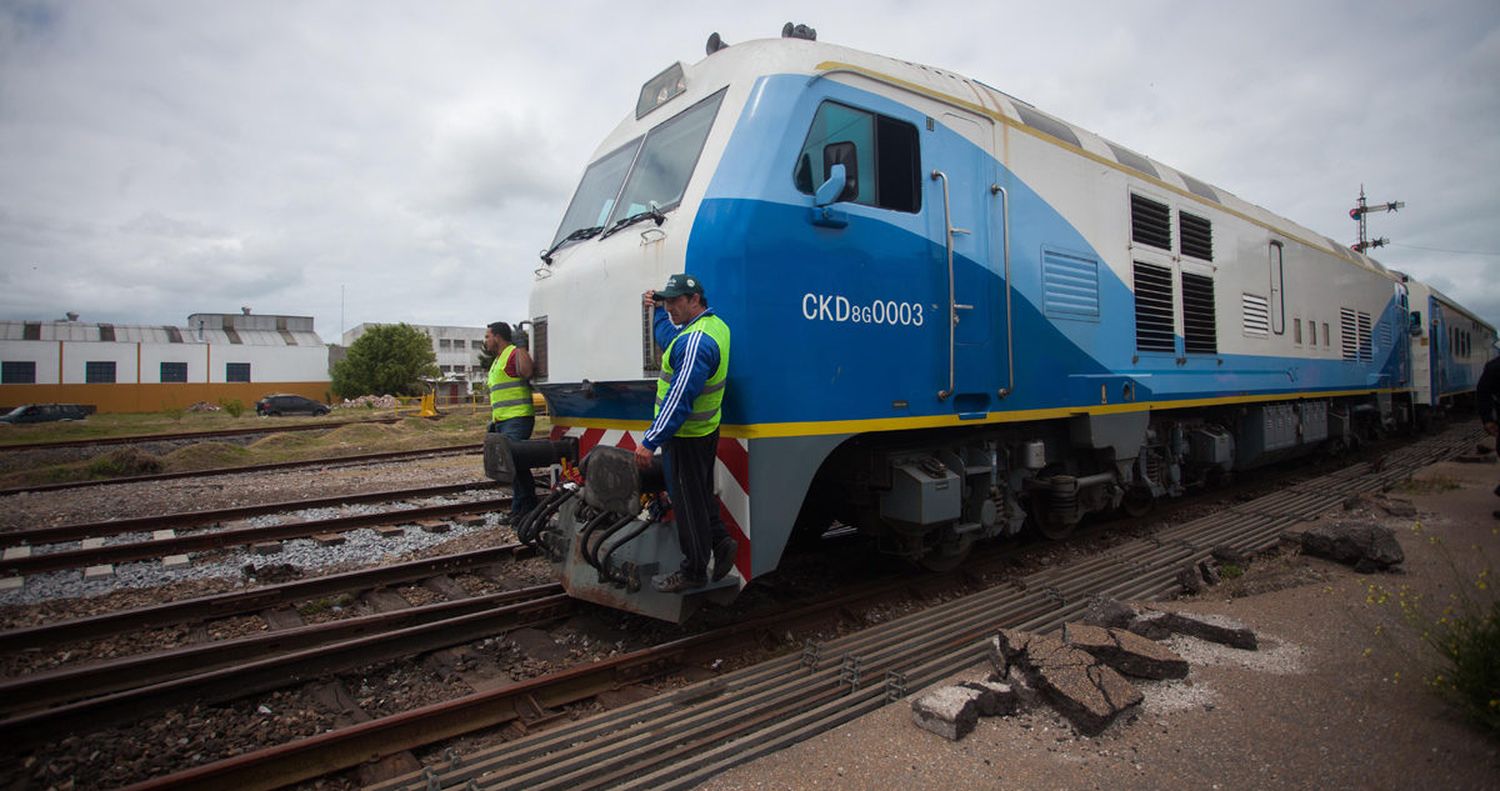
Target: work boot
{"type": "Point", "coordinates": [676, 582]}
{"type": "Point", "coordinates": [724, 552]}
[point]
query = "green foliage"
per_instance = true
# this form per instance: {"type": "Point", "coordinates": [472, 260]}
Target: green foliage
{"type": "Point", "coordinates": [389, 359]}
{"type": "Point", "coordinates": [174, 413]}
{"type": "Point", "coordinates": [1463, 633]}
{"type": "Point", "coordinates": [234, 407]}
{"type": "Point", "coordinates": [1230, 571]}
{"type": "Point", "coordinates": [124, 461]}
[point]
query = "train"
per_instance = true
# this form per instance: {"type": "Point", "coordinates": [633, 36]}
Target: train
{"type": "Point", "coordinates": [955, 317]}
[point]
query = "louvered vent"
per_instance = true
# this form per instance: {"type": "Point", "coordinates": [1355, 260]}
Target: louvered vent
{"type": "Point", "coordinates": [650, 352]}
{"type": "Point", "coordinates": [1070, 285]}
{"type": "Point", "coordinates": [1199, 333]}
{"type": "Point", "coordinates": [1257, 315]}
{"type": "Point", "coordinates": [1354, 335]}
{"type": "Point", "coordinates": [1197, 236]}
{"type": "Point", "coordinates": [1153, 308]}
{"type": "Point", "coordinates": [1150, 222]}
{"type": "Point", "coordinates": [1385, 336]}
{"type": "Point", "coordinates": [1362, 323]}
{"type": "Point", "coordinates": [539, 349]}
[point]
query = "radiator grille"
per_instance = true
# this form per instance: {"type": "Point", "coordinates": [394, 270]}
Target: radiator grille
{"type": "Point", "coordinates": [1199, 333]}
{"type": "Point", "coordinates": [1197, 236]}
{"type": "Point", "coordinates": [539, 349]}
{"type": "Point", "coordinates": [1354, 335]}
{"type": "Point", "coordinates": [1150, 222]}
{"type": "Point", "coordinates": [1153, 308]}
{"type": "Point", "coordinates": [650, 352]}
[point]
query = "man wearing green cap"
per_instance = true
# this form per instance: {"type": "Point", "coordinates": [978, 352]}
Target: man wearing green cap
{"type": "Point", "coordinates": [689, 394]}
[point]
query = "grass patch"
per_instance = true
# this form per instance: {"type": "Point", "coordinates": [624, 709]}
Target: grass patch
{"type": "Point", "coordinates": [343, 600]}
{"type": "Point", "coordinates": [121, 462]}
{"type": "Point", "coordinates": [206, 455]}
{"type": "Point", "coordinates": [1433, 484]}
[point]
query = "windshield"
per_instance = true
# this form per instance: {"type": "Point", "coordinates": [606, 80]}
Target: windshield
{"type": "Point", "coordinates": [17, 412]}
{"type": "Point", "coordinates": [596, 194]}
{"type": "Point", "coordinates": [658, 178]}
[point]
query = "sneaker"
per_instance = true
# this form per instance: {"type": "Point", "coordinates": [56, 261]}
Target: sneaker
{"type": "Point", "coordinates": [724, 553]}
{"type": "Point", "coordinates": [676, 582]}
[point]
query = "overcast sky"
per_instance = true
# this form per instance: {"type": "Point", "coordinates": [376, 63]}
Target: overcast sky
{"type": "Point", "coordinates": [164, 158]}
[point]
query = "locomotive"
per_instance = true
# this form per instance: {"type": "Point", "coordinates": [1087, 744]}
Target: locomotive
{"type": "Point", "coordinates": [955, 316]}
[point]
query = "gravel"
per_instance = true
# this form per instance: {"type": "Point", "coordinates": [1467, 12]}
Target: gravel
{"type": "Point", "coordinates": [362, 547]}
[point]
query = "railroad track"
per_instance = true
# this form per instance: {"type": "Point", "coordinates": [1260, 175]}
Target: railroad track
{"type": "Point", "coordinates": [21, 560]}
{"type": "Point", "coordinates": [362, 458]}
{"type": "Point", "coordinates": [680, 739]}
{"type": "Point", "coordinates": [137, 439]}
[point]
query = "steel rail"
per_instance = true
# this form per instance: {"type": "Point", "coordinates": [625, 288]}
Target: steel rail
{"type": "Point", "coordinates": [219, 539]}
{"type": "Point", "coordinates": [229, 683]}
{"type": "Point", "coordinates": [1146, 570]}
{"type": "Point", "coordinates": [188, 435]}
{"type": "Point", "coordinates": [83, 681]}
{"type": "Point", "coordinates": [145, 524]}
{"type": "Point", "coordinates": [553, 771]}
{"type": "Point", "coordinates": [240, 602]}
{"type": "Point", "coordinates": [331, 461]}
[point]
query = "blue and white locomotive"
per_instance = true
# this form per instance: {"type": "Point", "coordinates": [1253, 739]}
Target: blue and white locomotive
{"type": "Point", "coordinates": [955, 316]}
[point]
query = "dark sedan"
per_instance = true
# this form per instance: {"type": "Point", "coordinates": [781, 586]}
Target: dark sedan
{"type": "Point", "coordinates": [280, 404]}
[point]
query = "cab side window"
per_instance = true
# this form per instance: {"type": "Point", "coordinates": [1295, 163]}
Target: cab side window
{"type": "Point", "coordinates": [886, 162]}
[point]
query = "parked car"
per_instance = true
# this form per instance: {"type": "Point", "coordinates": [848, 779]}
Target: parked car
{"type": "Point", "coordinates": [284, 404]}
{"type": "Point", "coordinates": [43, 413]}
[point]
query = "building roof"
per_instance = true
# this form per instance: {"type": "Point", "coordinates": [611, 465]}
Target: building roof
{"type": "Point", "coordinates": [204, 332]}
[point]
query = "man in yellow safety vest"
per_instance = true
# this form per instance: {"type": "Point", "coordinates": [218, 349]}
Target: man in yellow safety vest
{"type": "Point", "coordinates": [689, 393]}
{"type": "Point", "coordinates": [511, 410]}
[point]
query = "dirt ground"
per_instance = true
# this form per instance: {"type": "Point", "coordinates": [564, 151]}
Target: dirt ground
{"type": "Point", "coordinates": [1334, 698]}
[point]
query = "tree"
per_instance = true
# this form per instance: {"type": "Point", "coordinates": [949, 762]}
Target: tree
{"type": "Point", "coordinates": [389, 359]}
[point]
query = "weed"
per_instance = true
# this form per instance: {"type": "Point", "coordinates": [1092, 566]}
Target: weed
{"type": "Point", "coordinates": [1432, 484]}
{"type": "Point", "coordinates": [174, 413]}
{"type": "Point", "coordinates": [124, 461]}
{"type": "Point", "coordinates": [233, 406]}
{"type": "Point", "coordinates": [1231, 571]}
{"type": "Point", "coordinates": [326, 603]}
{"type": "Point", "coordinates": [1463, 633]}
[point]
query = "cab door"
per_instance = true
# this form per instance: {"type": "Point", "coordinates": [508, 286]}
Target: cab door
{"type": "Point", "coordinates": [966, 211]}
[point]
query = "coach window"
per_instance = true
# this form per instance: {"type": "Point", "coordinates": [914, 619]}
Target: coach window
{"type": "Point", "coordinates": [886, 157]}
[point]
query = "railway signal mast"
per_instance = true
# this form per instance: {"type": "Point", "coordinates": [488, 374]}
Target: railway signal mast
{"type": "Point", "coordinates": [1358, 215]}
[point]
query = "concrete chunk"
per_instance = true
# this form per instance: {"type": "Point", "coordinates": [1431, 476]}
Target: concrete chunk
{"type": "Point", "coordinates": [950, 712]}
{"type": "Point", "coordinates": [1126, 652]}
{"type": "Point", "coordinates": [1090, 694]}
{"type": "Point", "coordinates": [1213, 628]}
{"type": "Point", "coordinates": [996, 698]}
{"type": "Point", "coordinates": [1364, 545]}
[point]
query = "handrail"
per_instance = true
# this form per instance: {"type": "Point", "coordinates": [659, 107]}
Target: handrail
{"type": "Point", "coordinates": [1010, 340]}
{"type": "Point", "coordinates": [952, 306]}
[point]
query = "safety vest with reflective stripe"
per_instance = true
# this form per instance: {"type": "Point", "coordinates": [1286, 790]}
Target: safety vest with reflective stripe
{"type": "Point", "coordinates": [509, 397]}
{"type": "Point", "coordinates": [703, 419]}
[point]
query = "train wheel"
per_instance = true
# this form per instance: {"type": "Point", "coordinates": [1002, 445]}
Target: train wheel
{"type": "Point", "coordinates": [1137, 503]}
{"type": "Point", "coordinates": [947, 555]}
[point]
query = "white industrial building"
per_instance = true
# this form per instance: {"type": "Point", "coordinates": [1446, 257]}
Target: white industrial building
{"type": "Point", "coordinates": [149, 367]}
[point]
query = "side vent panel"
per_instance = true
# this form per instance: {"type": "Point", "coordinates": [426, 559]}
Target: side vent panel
{"type": "Point", "coordinates": [1257, 315]}
{"type": "Point", "coordinates": [1070, 285]}
{"type": "Point", "coordinates": [1197, 236]}
{"type": "Point", "coordinates": [1153, 308]}
{"type": "Point", "coordinates": [1150, 222]}
{"type": "Point", "coordinates": [1199, 333]}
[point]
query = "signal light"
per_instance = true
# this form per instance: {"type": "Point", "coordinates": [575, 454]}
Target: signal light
{"type": "Point", "coordinates": [1354, 214]}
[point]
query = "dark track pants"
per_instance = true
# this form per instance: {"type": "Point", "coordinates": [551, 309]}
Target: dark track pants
{"type": "Point", "coordinates": [523, 488]}
{"type": "Point", "coordinates": [689, 463]}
